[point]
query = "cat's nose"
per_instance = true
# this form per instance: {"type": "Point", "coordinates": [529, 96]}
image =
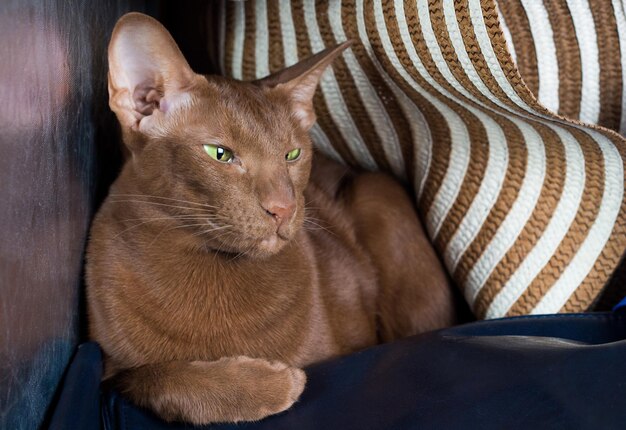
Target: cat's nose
{"type": "Point", "coordinates": [281, 211]}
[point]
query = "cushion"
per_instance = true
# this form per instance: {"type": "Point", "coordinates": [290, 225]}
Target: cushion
{"type": "Point", "coordinates": [541, 372]}
{"type": "Point", "coordinates": [525, 207]}
{"type": "Point", "coordinates": [570, 56]}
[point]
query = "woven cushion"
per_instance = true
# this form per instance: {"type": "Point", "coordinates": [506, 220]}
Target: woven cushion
{"type": "Point", "coordinates": [526, 208]}
{"type": "Point", "coordinates": [570, 56]}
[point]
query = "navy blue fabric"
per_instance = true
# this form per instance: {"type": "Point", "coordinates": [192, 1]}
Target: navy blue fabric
{"type": "Point", "coordinates": [78, 406]}
{"type": "Point", "coordinates": [621, 306]}
{"type": "Point", "coordinates": [540, 372]}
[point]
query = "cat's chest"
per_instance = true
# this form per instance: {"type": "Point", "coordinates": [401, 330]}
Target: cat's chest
{"type": "Point", "coordinates": [232, 307]}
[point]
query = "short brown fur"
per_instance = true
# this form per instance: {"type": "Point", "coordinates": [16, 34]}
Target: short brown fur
{"type": "Point", "coordinates": [210, 284]}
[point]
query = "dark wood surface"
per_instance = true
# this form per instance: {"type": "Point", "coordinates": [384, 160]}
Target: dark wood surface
{"type": "Point", "coordinates": [58, 152]}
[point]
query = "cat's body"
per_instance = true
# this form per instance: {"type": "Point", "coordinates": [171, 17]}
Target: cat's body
{"type": "Point", "coordinates": [211, 282]}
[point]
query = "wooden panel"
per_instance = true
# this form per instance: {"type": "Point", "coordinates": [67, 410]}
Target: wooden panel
{"type": "Point", "coordinates": [56, 137]}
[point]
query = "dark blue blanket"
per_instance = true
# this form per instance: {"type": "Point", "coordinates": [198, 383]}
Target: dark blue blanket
{"type": "Point", "coordinates": [544, 372]}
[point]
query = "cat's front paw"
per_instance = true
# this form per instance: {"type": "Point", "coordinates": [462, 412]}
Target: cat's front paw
{"type": "Point", "coordinates": [270, 387]}
{"type": "Point", "coordinates": [231, 389]}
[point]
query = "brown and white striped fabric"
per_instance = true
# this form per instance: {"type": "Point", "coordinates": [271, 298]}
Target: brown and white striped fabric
{"type": "Point", "coordinates": [525, 207]}
{"type": "Point", "coordinates": [570, 56]}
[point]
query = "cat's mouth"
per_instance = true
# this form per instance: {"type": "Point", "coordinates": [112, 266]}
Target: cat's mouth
{"type": "Point", "coordinates": [261, 242]}
{"type": "Point", "coordinates": [276, 240]}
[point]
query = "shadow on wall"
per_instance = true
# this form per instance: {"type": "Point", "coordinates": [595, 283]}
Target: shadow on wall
{"type": "Point", "coordinates": [56, 137]}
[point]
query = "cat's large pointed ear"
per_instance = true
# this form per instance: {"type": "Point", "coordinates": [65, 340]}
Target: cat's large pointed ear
{"type": "Point", "coordinates": [299, 82]}
{"type": "Point", "coordinates": [148, 76]}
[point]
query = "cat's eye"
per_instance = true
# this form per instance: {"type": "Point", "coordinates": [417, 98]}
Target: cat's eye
{"type": "Point", "coordinates": [219, 153]}
{"type": "Point", "coordinates": [293, 155]}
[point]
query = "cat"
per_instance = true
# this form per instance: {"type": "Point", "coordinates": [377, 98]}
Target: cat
{"type": "Point", "coordinates": [228, 254]}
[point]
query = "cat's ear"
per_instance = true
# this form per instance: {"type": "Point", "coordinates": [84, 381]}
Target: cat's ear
{"type": "Point", "coordinates": [299, 82]}
{"type": "Point", "coordinates": [149, 78]}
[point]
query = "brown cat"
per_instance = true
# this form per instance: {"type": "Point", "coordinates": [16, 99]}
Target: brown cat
{"type": "Point", "coordinates": [220, 263]}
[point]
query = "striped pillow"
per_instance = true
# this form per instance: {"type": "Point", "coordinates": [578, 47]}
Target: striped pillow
{"type": "Point", "coordinates": [525, 207]}
{"type": "Point", "coordinates": [570, 56]}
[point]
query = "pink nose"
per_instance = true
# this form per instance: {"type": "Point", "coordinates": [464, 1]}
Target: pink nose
{"type": "Point", "coordinates": [281, 211]}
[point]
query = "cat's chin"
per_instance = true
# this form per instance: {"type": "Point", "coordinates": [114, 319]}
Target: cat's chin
{"type": "Point", "coordinates": [270, 246]}
{"type": "Point", "coordinates": [251, 248]}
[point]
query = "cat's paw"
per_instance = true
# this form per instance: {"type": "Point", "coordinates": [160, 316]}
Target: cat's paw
{"type": "Point", "coordinates": [270, 387]}
{"type": "Point", "coordinates": [231, 389]}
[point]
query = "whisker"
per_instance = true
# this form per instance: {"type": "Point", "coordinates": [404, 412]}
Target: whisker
{"type": "Point", "coordinates": [170, 218]}
{"type": "Point", "coordinates": [240, 253]}
{"type": "Point", "coordinates": [160, 204]}
{"type": "Point", "coordinates": [163, 198]}
{"type": "Point", "coordinates": [313, 219]}
{"type": "Point", "coordinates": [319, 226]}
{"type": "Point", "coordinates": [216, 237]}
{"type": "Point", "coordinates": [175, 217]}
{"type": "Point", "coordinates": [219, 248]}
{"type": "Point", "coordinates": [156, 237]}
{"type": "Point", "coordinates": [190, 225]}
{"type": "Point", "coordinates": [243, 253]}
{"type": "Point", "coordinates": [211, 230]}
{"type": "Point", "coordinates": [177, 227]}
{"type": "Point", "coordinates": [130, 228]}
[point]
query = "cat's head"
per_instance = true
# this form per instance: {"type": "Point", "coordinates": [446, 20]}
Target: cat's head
{"type": "Point", "coordinates": [228, 159]}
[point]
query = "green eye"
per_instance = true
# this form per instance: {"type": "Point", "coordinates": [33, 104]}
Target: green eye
{"type": "Point", "coordinates": [293, 154]}
{"type": "Point", "coordinates": [219, 153]}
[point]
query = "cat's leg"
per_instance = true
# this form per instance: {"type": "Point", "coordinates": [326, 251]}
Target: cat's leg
{"type": "Point", "coordinates": [415, 293]}
{"type": "Point", "coordinates": [228, 390]}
